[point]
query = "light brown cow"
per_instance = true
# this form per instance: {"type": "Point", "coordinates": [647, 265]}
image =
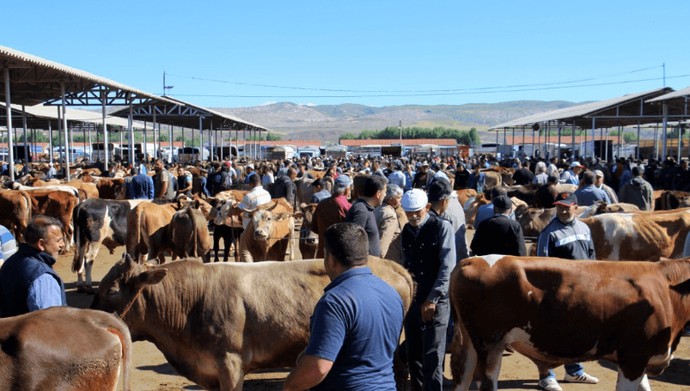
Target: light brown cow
{"type": "Point", "coordinates": [111, 188]}
{"type": "Point", "coordinates": [147, 225]}
{"type": "Point", "coordinates": [671, 199]}
{"type": "Point", "coordinates": [216, 322]}
{"type": "Point", "coordinates": [188, 233]}
{"type": "Point", "coordinates": [268, 234]}
{"type": "Point", "coordinates": [45, 350]}
{"type": "Point", "coordinates": [308, 239]}
{"type": "Point", "coordinates": [15, 211]}
{"type": "Point", "coordinates": [557, 311]}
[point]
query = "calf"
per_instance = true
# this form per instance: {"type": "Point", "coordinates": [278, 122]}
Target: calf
{"type": "Point", "coordinates": [147, 226]}
{"type": "Point", "coordinates": [308, 239]}
{"type": "Point", "coordinates": [557, 311]}
{"type": "Point", "coordinates": [268, 234]}
{"type": "Point", "coordinates": [216, 322]}
{"type": "Point", "coordinates": [63, 348]}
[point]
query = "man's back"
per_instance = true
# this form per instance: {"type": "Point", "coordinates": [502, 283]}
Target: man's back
{"type": "Point", "coordinates": [499, 235]}
{"type": "Point", "coordinates": [360, 323]}
{"type": "Point", "coordinates": [362, 214]}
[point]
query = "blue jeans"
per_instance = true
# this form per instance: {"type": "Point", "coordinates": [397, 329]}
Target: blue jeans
{"type": "Point", "coordinates": [571, 369]}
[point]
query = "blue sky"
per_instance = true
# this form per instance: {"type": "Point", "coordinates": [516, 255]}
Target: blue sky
{"type": "Point", "coordinates": [378, 53]}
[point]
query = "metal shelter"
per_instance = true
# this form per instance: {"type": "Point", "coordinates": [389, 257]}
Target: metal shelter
{"type": "Point", "coordinates": [194, 117]}
{"type": "Point", "coordinates": [674, 106]}
{"type": "Point", "coordinates": [627, 110]}
{"type": "Point", "coordinates": [29, 80]}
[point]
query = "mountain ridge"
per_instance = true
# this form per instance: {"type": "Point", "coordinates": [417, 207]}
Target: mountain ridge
{"type": "Point", "coordinates": [328, 122]}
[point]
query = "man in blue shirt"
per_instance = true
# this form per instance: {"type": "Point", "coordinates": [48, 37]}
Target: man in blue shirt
{"type": "Point", "coordinates": [588, 194]}
{"type": "Point", "coordinates": [27, 279]}
{"type": "Point", "coordinates": [141, 186]}
{"type": "Point", "coordinates": [356, 324]}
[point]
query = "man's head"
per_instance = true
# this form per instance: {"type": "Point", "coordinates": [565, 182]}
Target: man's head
{"type": "Point", "coordinates": [158, 166]}
{"type": "Point", "coordinates": [254, 181]}
{"type": "Point", "coordinates": [576, 167]}
{"type": "Point", "coordinates": [394, 194]}
{"type": "Point", "coordinates": [317, 185]}
{"type": "Point", "coordinates": [342, 185]}
{"type": "Point", "coordinates": [598, 177]}
{"type": "Point", "coordinates": [45, 233]}
{"type": "Point", "coordinates": [636, 171]}
{"type": "Point", "coordinates": [502, 204]}
{"type": "Point", "coordinates": [292, 173]}
{"type": "Point", "coordinates": [249, 168]}
{"type": "Point", "coordinates": [345, 246]}
{"type": "Point", "coordinates": [588, 178]}
{"type": "Point", "coordinates": [566, 205]}
{"type": "Point", "coordinates": [375, 189]}
{"type": "Point", "coordinates": [439, 192]}
{"type": "Point", "coordinates": [416, 206]}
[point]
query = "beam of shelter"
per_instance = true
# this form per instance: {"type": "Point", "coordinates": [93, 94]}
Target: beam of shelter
{"type": "Point", "coordinates": [677, 101]}
{"type": "Point", "coordinates": [39, 116]}
{"type": "Point", "coordinates": [35, 80]}
{"type": "Point", "coordinates": [626, 110]}
{"type": "Point", "coordinates": [186, 115]}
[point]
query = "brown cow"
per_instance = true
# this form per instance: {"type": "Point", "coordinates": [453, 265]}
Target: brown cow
{"type": "Point", "coordinates": [308, 239]}
{"type": "Point", "coordinates": [188, 233]}
{"type": "Point", "coordinates": [58, 204]}
{"type": "Point", "coordinates": [147, 225]}
{"type": "Point", "coordinates": [557, 311]}
{"type": "Point", "coordinates": [63, 348]}
{"type": "Point", "coordinates": [268, 234]}
{"type": "Point", "coordinates": [111, 188]}
{"type": "Point", "coordinates": [671, 199]}
{"type": "Point", "coordinates": [216, 322]}
{"type": "Point", "coordinates": [15, 211]}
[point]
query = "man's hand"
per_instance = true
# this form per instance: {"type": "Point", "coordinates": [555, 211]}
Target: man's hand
{"type": "Point", "coordinates": [428, 311]}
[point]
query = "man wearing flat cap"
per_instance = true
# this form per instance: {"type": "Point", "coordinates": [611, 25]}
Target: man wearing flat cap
{"type": "Point", "coordinates": [569, 238]}
{"type": "Point", "coordinates": [429, 254]}
{"type": "Point", "coordinates": [499, 234]}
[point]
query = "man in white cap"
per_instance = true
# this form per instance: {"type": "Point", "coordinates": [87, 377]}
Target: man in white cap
{"type": "Point", "coordinates": [428, 247]}
{"type": "Point", "coordinates": [599, 183]}
{"type": "Point", "coordinates": [572, 175]}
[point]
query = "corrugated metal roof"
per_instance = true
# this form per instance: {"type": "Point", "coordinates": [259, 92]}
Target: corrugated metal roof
{"type": "Point", "coordinates": [573, 113]}
{"type": "Point", "coordinates": [49, 113]}
{"type": "Point", "coordinates": [296, 143]}
{"type": "Point", "coordinates": [685, 92]}
{"type": "Point", "coordinates": [223, 115]}
{"type": "Point", "coordinates": [417, 141]}
{"type": "Point", "coordinates": [15, 59]}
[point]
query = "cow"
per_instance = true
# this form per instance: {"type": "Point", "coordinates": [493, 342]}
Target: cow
{"type": "Point", "coordinates": [62, 188]}
{"type": "Point", "coordinates": [216, 322]}
{"type": "Point", "coordinates": [671, 199]}
{"type": "Point", "coordinates": [15, 211]}
{"type": "Point", "coordinates": [58, 204]}
{"type": "Point", "coordinates": [97, 222]}
{"type": "Point", "coordinates": [308, 239]}
{"type": "Point", "coordinates": [85, 190]}
{"type": "Point", "coordinates": [268, 234]}
{"type": "Point", "coordinates": [557, 311]}
{"type": "Point", "coordinates": [227, 226]}
{"type": "Point", "coordinates": [147, 228]}
{"type": "Point", "coordinates": [643, 236]}
{"type": "Point", "coordinates": [188, 233]}
{"type": "Point", "coordinates": [62, 348]}
{"type": "Point", "coordinates": [111, 188]}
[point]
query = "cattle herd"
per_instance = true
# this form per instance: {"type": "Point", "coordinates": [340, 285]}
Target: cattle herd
{"type": "Point", "coordinates": [216, 321]}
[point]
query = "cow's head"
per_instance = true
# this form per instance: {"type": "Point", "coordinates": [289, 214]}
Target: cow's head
{"type": "Point", "coordinates": [209, 212]}
{"type": "Point", "coordinates": [227, 213]}
{"type": "Point", "coordinates": [306, 235]}
{"type": "Point", "coordinates": [532, 220]}
{"type": "Point", "coordinates": [123, 282]}
{"type": "Point", "coordinates": [263, 220]}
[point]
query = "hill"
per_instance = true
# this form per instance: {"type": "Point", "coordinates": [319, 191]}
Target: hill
{"type": "Point", "coordinates": [328, 122]}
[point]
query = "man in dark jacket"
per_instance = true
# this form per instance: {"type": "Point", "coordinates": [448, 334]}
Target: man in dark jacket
{"type": "Point", "coordinates": [637, 191]}
{"type": "Point", "coordinates": [499, 234]}
{"type": "Point", "coordinates": [429, 254]}
{"type": "Point", "coordinates": [285, 187]}
{"type": "Point", "coordinates": [27, 279]}
{"type": "Point", "coordinates": [362, 211]}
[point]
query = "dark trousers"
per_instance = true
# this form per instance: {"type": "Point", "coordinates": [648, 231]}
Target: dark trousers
{"type": "Point", "coordinates": [426, 346]}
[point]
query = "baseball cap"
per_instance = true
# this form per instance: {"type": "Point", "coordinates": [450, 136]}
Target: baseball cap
{"type": "Point", "coordinates": [502, 202]}
{"type": "Point", "coordinates": [567, 199]}
{"type": "Point", "coordinates": [414, 200]}
{"type": "Point", "coordinates": [599, 173]}
{"type": "Point", "coordinates": [342, 181]}
{"type": "Point", "coordinates": [575, 164]}
{"type": "Point", "coordinates": [250, 166]}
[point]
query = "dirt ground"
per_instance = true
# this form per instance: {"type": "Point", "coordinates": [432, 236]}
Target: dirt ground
{"type": "Point", "coordinates": [150, 370]}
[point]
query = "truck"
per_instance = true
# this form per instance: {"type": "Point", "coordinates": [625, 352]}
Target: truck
{"type": "Point", "coordinates": [186, 155]}
{"type": "Point", "coordinates": [309, 152]}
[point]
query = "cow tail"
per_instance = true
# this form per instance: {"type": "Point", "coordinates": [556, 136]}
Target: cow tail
{"type": "Point", "coordinates": [122, 333]}
{"type": "Point", "coordinates": [78, 260]}
{"type": "Point", "coordinates": [29, 216]}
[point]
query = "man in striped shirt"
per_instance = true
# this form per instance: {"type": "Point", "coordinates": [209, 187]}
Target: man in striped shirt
{"type": "Point", "coordinates": [9, 245]}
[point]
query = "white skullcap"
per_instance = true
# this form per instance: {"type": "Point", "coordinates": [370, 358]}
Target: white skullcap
{"type": "Point", "coordinates": [414, 200]}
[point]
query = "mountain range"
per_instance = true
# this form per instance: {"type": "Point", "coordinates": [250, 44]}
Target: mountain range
{"type": "Point", "coordinates": [327, 122]}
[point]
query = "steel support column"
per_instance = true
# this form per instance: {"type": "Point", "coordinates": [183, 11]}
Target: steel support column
{"type": "Point", "coordinates": [8, 109]}
{"type": "Point", "coordinates": [64, 125]}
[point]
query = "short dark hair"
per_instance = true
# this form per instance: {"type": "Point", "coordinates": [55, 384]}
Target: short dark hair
{"type": "Point", "coordinates": [254, 179]}
{"type": "Point", "coordinates": [373, 184]}
{"type": "Point", "coordinates": [348, 243]}
{"type": "Point", "coordinates": [317, 182]}
{"type": "Point", "coordinates": [636, 171]}
{"type": "Point", "coordinates": [38, 228]}
{"type": "Point", "coordinates": [589, 178]}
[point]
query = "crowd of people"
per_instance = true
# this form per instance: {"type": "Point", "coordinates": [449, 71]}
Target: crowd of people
{"type": "Point", "coordinates": [407, 210]}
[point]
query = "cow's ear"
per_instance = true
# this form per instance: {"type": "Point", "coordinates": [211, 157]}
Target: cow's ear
{"type": "Point", "coordinates": [683, 288]}
{"type": "Point", "coordinates": [152, 277]}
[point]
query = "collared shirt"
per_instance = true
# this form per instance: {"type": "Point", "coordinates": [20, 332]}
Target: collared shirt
{"type": "Point", "coordinates": [588, 195]}
{"type": "Point", "coordinates": [397, 178]}
{"type": "Point", "coordinates": [356, 325]}
{"type": "Point", "coordinates": [571, 240]}
{"type": "Point", "coordinates": [44, 292]}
